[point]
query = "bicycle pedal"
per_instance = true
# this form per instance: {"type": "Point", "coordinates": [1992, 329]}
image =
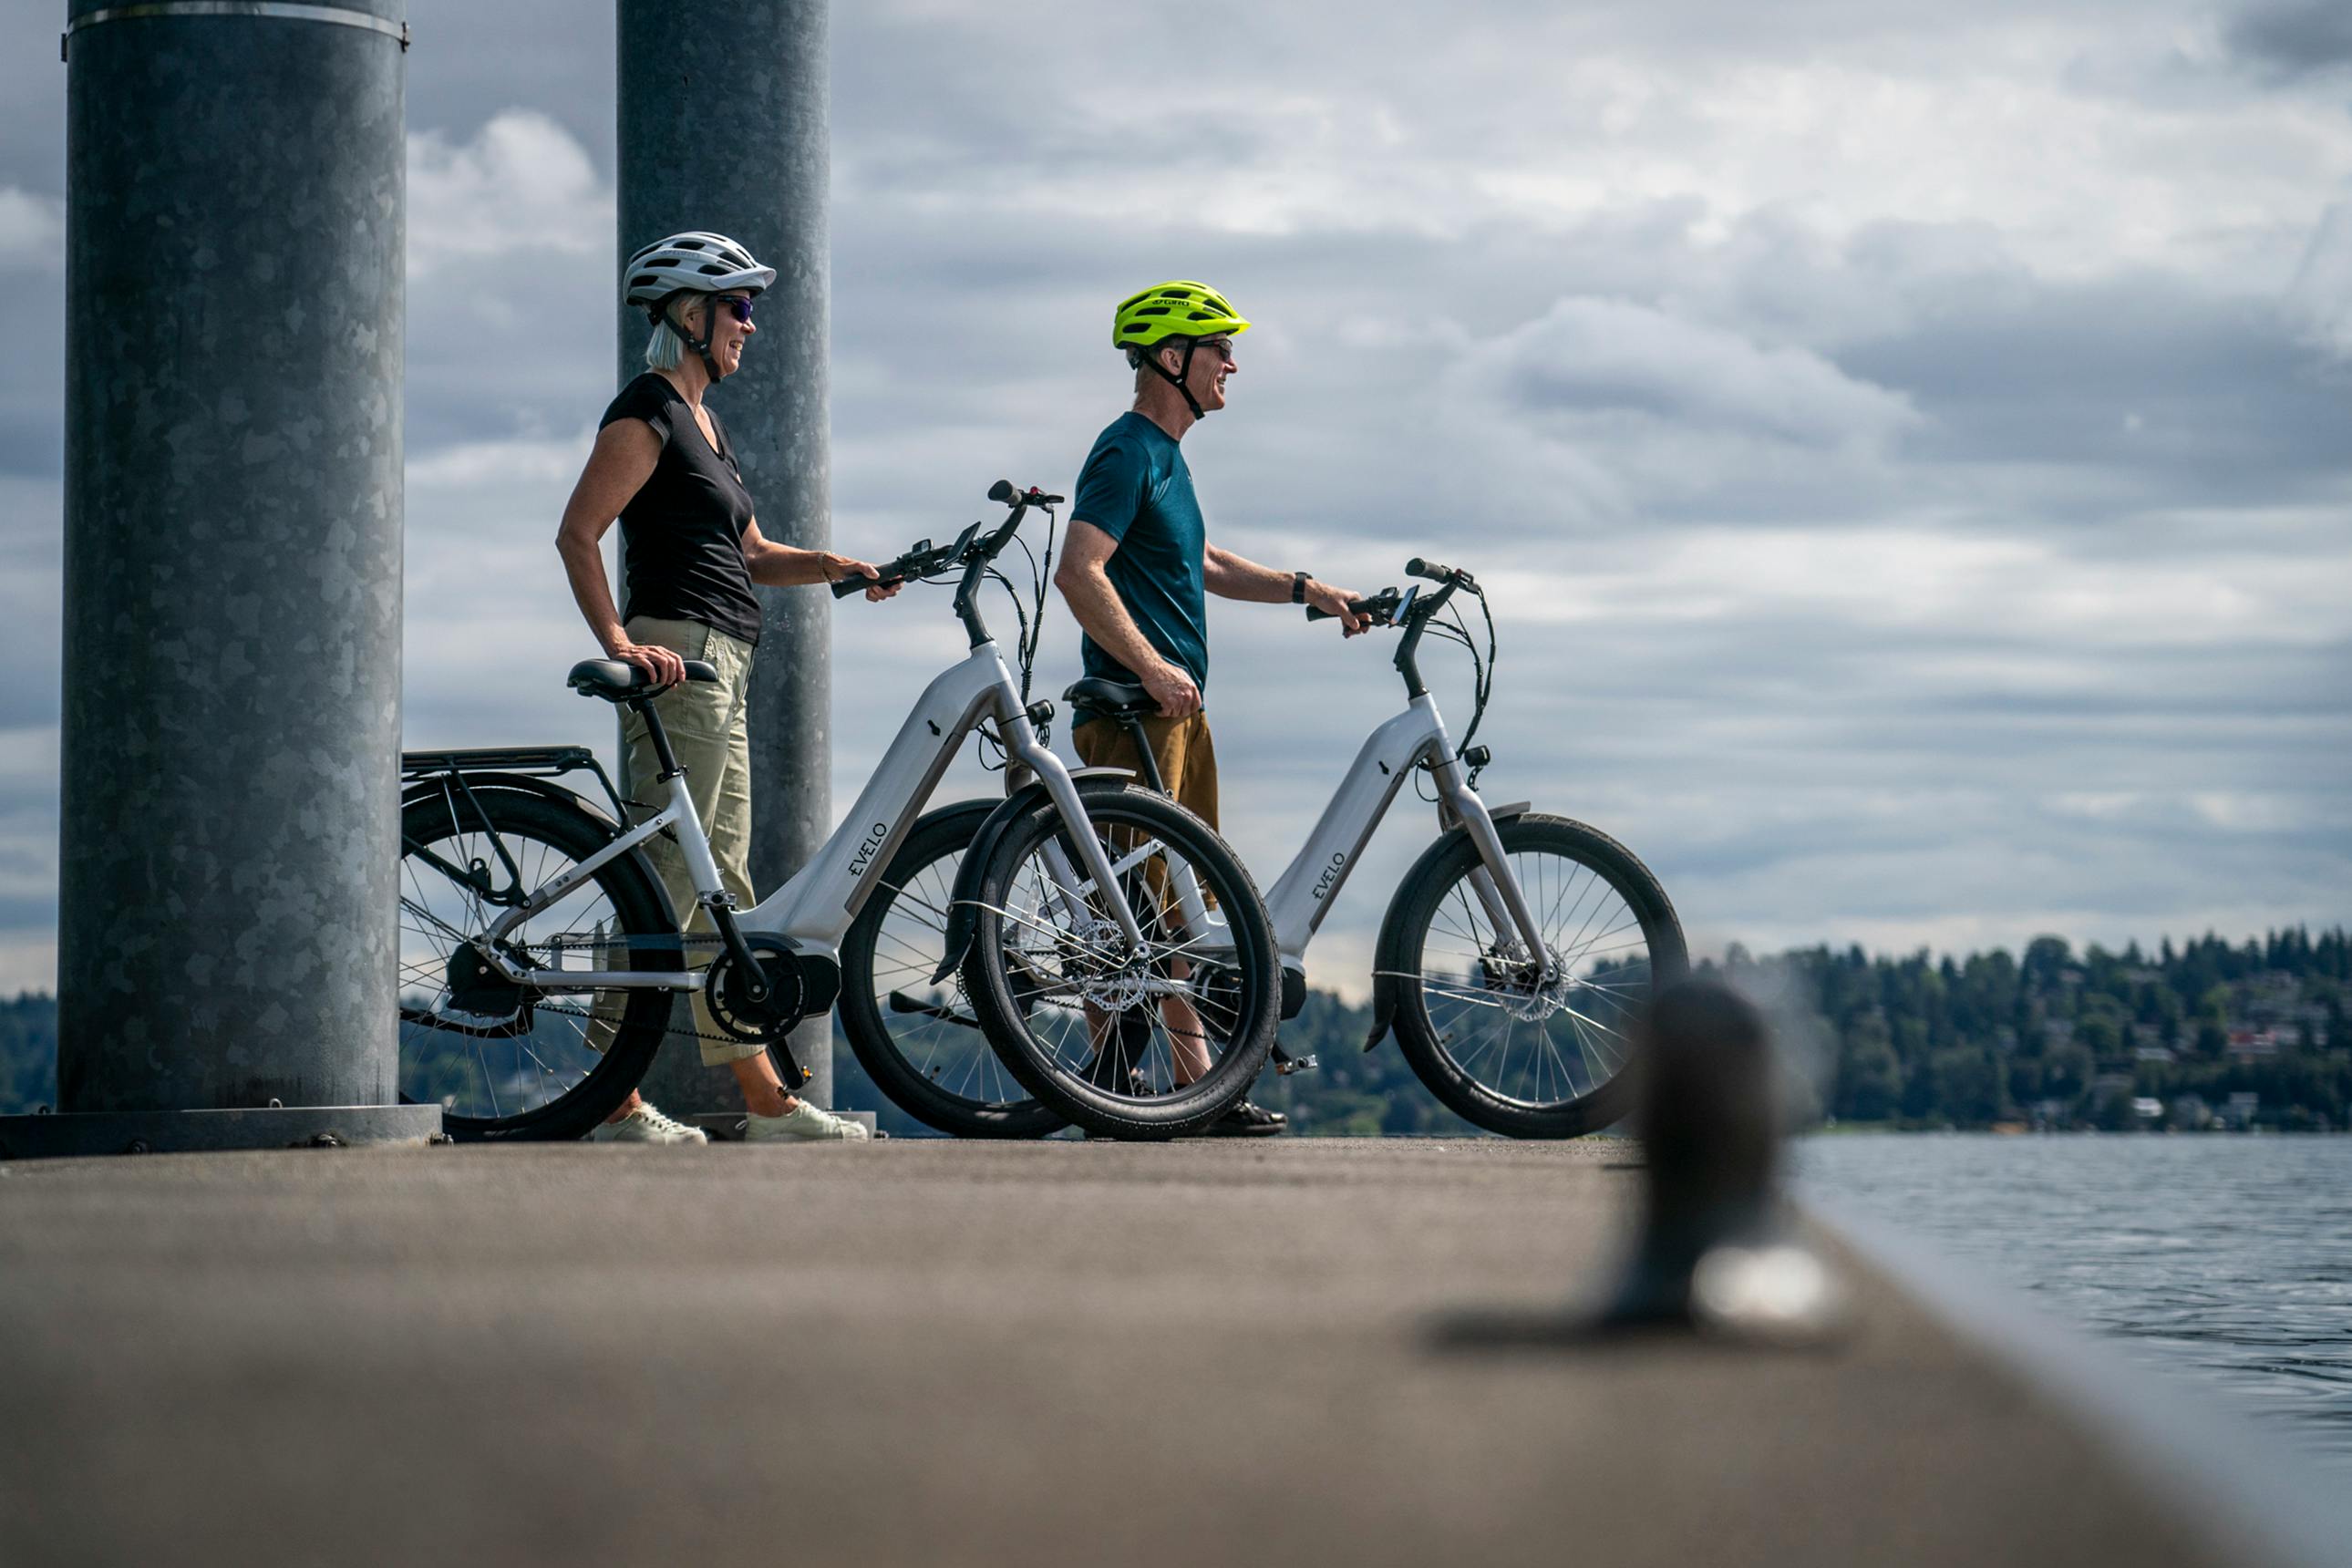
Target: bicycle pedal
{"type": "Point", "coordinates": [1289, 1065]}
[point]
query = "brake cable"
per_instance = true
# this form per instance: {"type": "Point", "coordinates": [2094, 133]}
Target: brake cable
{"type": "Point", "coordinates": [1031, 633]}
{"type": "Point", "coordinates": [1482, 677]}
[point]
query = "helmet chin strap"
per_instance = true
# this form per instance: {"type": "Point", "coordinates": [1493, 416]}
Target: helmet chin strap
{"type": "Point", "coordinates": [701, 345]}
{"type": "Point", "coordinates": [1181, 379]}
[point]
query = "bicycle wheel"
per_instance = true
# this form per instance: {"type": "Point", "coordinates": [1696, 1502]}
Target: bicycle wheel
{"type": "Point", "coordinates": [922, 1043]}
{"type": "Point", "coordinates": [1145, 1045]}
{"type": "Point", "coordinates": [502, 1062]}
{"type": "Point", "coordinates": [1516, 1055]}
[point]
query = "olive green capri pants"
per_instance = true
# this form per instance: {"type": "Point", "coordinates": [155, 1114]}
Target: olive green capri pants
{"type": "Point", "coordinates": [710, 733]}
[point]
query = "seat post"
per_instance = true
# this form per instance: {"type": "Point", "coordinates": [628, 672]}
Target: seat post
{"type": "Point", "coordinates": [660, 738]}
{"type": "Point", "coordinates": [1145, 762]}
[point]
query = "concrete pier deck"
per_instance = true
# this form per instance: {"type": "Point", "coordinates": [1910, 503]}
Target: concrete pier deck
{"type": "Point", "coordinates": [1201, 1353]}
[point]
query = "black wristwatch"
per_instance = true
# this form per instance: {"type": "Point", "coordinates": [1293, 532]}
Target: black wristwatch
{"type": "Point", "coordinates": [1299, 587]}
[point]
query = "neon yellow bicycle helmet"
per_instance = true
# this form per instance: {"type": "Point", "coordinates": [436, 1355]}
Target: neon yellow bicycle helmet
{"type": "Point", "coordinates": [1179, 308]}
{"type": "Point", "coordinates": [1169, 310]}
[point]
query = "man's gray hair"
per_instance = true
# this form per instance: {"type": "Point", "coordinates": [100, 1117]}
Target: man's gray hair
{"type": "Point", "coordinates": [1138, 354]}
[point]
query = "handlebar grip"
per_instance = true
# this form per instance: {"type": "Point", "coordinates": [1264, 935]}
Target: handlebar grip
{"type": "Point", "coordinates": [1006, 492]}
{"type": "Point", "coordinates": [1436, 572]}
{"type": "Point", "coordinates": [1373, 606]}
{"type": "Point", "coordinates": [848, 585]}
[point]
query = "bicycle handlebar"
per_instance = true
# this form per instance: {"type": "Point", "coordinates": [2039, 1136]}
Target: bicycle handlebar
{"type": "Point", "coordinates": [1437, 572]}
{"type": "Point", "coordinates": [1002, 490]}
{"type": "Point", "coordinates": [924, 560]}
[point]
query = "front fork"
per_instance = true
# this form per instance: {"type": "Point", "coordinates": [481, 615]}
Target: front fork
{"type": "Point", "coordinates": [1506, 903]}
{"type": "Point", "coordinates": [1095, 861]}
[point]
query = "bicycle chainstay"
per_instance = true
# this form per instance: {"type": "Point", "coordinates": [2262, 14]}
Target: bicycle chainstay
{"type": "Point", "coordinates": [713, 943]}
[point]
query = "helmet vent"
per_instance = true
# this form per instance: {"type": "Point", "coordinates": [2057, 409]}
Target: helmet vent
{"type": "Point", "coordinates": [696, 260]}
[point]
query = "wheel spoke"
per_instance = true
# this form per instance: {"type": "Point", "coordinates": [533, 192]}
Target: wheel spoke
{"type": "Point", "coordinates": [1531, 1035]}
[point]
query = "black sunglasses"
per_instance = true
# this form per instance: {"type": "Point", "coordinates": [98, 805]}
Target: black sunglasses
{"type": "Point", "coordinates": [738, 306]}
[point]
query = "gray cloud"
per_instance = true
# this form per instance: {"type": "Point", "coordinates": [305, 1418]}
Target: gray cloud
{"type": "Point", "coordinates": [1589, 356]}
{"type": "Point", "coordinates": [2294, 39]}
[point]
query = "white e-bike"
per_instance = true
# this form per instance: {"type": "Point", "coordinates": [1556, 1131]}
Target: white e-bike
{"type": "Point", "coordinates": [1514, 958]}
{"type": "Point", "coordinates": [538, 953]}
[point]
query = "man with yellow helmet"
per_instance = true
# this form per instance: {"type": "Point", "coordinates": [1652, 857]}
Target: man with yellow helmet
{"type": "Point", "coordinates": [1138, 566]}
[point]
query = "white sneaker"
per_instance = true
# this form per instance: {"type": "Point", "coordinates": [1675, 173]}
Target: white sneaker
{"type": "Point", "coordinates": [804, 1123]}
{"type": "Point", "coordinates": [647, 1125]}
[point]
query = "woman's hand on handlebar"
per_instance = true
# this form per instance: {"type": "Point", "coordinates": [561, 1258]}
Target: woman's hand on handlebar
{"type": "Point", "coordinates": [667, 668]}
{"type": "Point", "coordinates": [1339, 604]}
{"type": "Point", "coordinates": [841, 568]}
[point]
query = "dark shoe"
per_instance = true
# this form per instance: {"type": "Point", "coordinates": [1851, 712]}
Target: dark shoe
{"type": "Point", "coordinates": [1113, 1069]}
{"type": "Point", "coordinates": [1245, 1120]}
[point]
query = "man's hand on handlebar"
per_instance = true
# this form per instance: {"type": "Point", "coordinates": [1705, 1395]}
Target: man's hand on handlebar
{"type": "Point", "coordinates": [1338, 602]}
{"type": "Point", "coordinates": [841, 568]}
{"type": "Point", "coordinates": [667, 668]}
{"type": "Point", "coordinates": [1172, 689]}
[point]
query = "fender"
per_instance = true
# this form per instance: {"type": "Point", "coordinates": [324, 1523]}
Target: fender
{"type": "Point", "coordinates": [1388, 954]}
{"type": "Point", "coordinates": [545, 789]}
{"type": "Point", "coordinates": [524, 783]}
{"type": "Point", "coordinates": [964, 914]}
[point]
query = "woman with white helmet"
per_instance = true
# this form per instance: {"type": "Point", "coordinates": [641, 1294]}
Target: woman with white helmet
{"type": "Point", "coordinates": [691, 550]}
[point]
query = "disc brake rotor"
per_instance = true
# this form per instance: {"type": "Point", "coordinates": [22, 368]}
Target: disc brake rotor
{"type": "Point", "coordinates": [1526, 993]}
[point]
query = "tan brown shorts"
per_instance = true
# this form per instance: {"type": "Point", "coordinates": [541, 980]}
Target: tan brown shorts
{"type": "Point", "coordinates": [1187, 757]}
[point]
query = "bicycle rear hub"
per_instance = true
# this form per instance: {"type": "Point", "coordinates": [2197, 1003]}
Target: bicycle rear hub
{"type": "Point", "coordinates": [476, 988]}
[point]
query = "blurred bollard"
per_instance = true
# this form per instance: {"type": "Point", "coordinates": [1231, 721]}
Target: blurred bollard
{"type": "Point", "coordinates": [1716, 1252]}
{"type": "Point", "coordinates": [1716, 1249]}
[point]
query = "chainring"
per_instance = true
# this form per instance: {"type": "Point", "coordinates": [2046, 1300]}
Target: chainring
{"type": "Point", "coordinates": [787, 999]}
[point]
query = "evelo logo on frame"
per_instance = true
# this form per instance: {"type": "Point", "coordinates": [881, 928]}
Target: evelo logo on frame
{"type": "Point", "coordinates": [866, 846]}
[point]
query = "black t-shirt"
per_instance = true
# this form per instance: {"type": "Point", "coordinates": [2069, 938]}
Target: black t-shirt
{"type": "Point", "coordinates": [682, 533]}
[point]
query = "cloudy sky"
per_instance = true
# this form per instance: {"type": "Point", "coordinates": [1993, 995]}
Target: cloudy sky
{"type": "Point", "coordinates": [1906, 442]}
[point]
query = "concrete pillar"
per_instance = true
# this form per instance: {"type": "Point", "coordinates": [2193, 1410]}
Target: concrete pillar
{"type": "Point", "coordinates": [236, 227]}
{"type": "Point", "coordinates": [724, 126]}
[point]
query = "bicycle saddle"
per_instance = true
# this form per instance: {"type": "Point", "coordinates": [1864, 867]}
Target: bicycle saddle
{"type": "Point", "coordinates": [616, 680]}
{"type": "Point", "coordinates": [1113, 698]}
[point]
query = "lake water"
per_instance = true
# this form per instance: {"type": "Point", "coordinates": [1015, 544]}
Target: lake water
{"type": "Point", "coordinates": [2225, 1259]}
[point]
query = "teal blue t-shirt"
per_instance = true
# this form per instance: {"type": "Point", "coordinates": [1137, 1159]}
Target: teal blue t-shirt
{"type": "Point", "coordinates": [1135, 488]}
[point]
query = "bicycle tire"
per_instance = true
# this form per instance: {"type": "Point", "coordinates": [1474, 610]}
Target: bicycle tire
{"type": "Point", "coordinates": [1236, 998]}
{"type": "Point", "coordinates": [940, 1070]}
{"type": "Point", "coordinates": [557, 1086]}
{"type": "Point", "coordinates": [1552, 1093]}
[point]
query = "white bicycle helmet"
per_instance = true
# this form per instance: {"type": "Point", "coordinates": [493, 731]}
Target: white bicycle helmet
{"type": "Point", "coordinates": [705, 262]}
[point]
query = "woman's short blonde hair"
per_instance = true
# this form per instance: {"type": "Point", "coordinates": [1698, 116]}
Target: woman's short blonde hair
{"type": "Point", "coordinates": [665, 349]}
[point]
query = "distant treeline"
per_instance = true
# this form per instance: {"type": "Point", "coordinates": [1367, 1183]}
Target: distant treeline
{"type": "Point", "coordinates": [28, 1053]}
{"type": "Point", "coordinates": [2178, 1038]}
